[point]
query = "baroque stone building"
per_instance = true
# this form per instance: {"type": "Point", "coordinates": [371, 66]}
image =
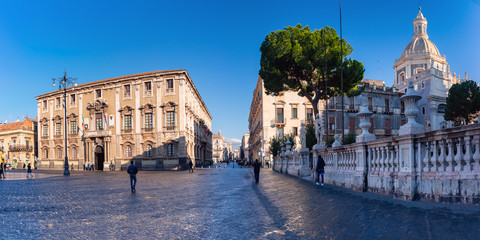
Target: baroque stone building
{"type": "Point", "coordinates": [18, 142]}
{"type": "Point", "coordinates": [218, 146]}
{"type": "Point", "coordinates": [158, 119]}
{"type": "Point", "coordinates": [422, 64]}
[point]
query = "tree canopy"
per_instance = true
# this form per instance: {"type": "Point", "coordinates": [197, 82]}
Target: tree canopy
{"type": "Point", "coordinates": [293, 59]}
{"type": "Point", "coordinates": [463, 102]}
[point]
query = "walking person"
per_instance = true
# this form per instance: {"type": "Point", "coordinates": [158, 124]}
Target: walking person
{"type": "Point", "coordinates": [1, 171]}
{"type": "Point", "coordinates": [29, 170]}
{"type": "Point", "coordinates": [132, 170]}
{"type": "Point", "coordinates": [190, 166]}
{"type": "Point", "coordinates": [320, 168]}
{"type": "Point", "coordinates": [256, 170]}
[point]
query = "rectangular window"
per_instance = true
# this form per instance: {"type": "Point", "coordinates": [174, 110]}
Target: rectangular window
{"type": "Point", "coordinates": [387, 105]}
{"type": "Point", "coordinates": [423, 84]}
{"type": "Point", "coordinates": [99, 121]}
{"type": "Point", "coordinates": [126, 90]}
{"type": "Point", "coordinates": [72, 100]}
{"type": "Point", "coordinates": [58, 102]}
{"type": "Point", "coordinates": [423, 110]}
{"type": "Point", "coordinates": [14, 143]}
{"type": "Point", "coordinates": [331, 125]}
{"type": "Point", "coordinates": [332, 103]}
{"type": "Point", "coordinates": [351, 125]}
{"type": "Point", "coordinates": [148, 88]}
{"type": "Point", "coordinates": [279, 118]}
{"type": "Point", "coordinates": [45, 105]}
{"type": "Point", "coordinates": [170, 119]}
{"type": "Point", "coordinates": [58, 129]}
{"type": "Point", "coordinates": [73, 127]}
{"type": "Point", "coordinates": [98, 93]}
{"type": "Point", "coordinates": [27, 143]}
{"type": "Point", "coordinates": [294, 112]}
{"type": "Point", "coordinates": [148, 120]}
{"type": "Point", "coordinates": [351, 103]}
{"type": "Point", "coordinates": [128, 122]}
{"type": "Point", "coordinates": [295, 131]}
{"type": "Point", "coordinates": [169, 85]}
{"type": "Point", "coordinates": [388, 127]}
{"type": "Point", "coordinates": [45, 130]}
{"type": "Point", "coordinates": [370, 103]}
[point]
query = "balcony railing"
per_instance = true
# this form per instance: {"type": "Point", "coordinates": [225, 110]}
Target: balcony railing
{"type": "Point", "coordinates": [21, 148]}
{"type": "Point", "coordinates": [278, 122]}
{"type": "Point", "coordinates": [147, 130]}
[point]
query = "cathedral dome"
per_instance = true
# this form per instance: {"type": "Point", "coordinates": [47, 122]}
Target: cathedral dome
{"type": "Point", "coordinates": [420, 45]}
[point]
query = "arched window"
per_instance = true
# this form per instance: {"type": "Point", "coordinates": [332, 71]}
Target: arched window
{"type": "Point", "coordinates": [74, 153]}
{"type": "Point", "coordinates": [59, 153]}
{"type": "Point", "coordinates": [149, 150]}
{"type": "Point", "coordinates": [128, 151]}
{"type": "Point", "coordinates": [401, 77]}
{"type": "Point", "coordinates": [45, 153]}
{"type": "Point", "coordinates": [171, 150]}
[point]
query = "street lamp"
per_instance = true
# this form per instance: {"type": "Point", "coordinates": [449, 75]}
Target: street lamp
{"type": "Point", "coordinates": [64, 82]}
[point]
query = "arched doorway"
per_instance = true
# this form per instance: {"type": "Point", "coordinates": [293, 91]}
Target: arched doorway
{"type": "Point", "coordinates": [99, 158]}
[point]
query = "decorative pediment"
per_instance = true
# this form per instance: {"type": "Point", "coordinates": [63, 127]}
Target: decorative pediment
{"type": "Point", "coordinates": [148, 107]}
{"type": "Point", "coordinates": [126, 110]}
{"type": "Point", "coordinates": [57, 118]}
{"type": "Point", "coordinates": [72, 116]}
{"type": "Point", "coordinates": [169, 104]}
{"type": "Point", "coordinates": [44, 120]}
{"type": "Point", "coordinates": [97, 106]}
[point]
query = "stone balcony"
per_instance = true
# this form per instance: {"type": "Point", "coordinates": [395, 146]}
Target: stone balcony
{"type": "Point", "coordinates": [99, 133]}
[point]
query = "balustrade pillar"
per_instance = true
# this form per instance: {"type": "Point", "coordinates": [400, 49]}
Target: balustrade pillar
{"type": "Point", "coordinates": [468, 154]}
{"type": "Point", "coordinates": [382, 159]}
{"type": "Point", "coordinates": [426, 159]}
{"type": "Point", "coordinates": [449, 158]}
{"type": "Point", "coordinates": [397, 158]}
{"type": "Point", "coordinates": [459, 156]}
{"type": "Point", "coordinates": [434, 159]}
{"type": "Point", "coordinates": [476, 156]}
{"type": "Point", "coordinates": [442, 158]}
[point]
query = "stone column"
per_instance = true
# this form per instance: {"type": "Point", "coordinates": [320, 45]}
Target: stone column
{"type": "Point", "coordinates": [411, 111]}
{"type": "Point", "coordinates": [364, 116]}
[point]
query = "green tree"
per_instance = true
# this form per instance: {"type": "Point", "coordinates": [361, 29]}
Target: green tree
{"type": "Point", "coordinates": [277, 141]}
{"type": "Point", "coordinates": [293, 59]}
{"type": "Point", "coordinates": [463, 103]}
{"type": "Point", "coordinates": [310, 135]}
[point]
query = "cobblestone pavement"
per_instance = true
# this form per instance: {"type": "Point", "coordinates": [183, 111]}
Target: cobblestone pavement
{"type": "Point", "coordinates": [214, 204]}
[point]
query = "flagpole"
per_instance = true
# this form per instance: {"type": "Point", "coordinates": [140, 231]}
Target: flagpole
{"type": "Point", "coordinates": [341, 73]}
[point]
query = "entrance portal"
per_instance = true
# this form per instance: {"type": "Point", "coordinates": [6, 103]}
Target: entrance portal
{"type": "Point", "coordinates": [99, 158]}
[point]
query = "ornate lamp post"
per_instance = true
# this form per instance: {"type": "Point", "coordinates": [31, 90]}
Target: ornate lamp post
{"type": "Point", "coordinates": [64, 82]}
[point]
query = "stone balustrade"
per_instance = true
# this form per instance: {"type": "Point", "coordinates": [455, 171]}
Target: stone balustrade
{"type": "Point", "coordinates": [442, 165]}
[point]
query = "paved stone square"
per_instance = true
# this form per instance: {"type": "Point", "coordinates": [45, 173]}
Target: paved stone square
{"type": "Point", "coordinates": [214, 204]}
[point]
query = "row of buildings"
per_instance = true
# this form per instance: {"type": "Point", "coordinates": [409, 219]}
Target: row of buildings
{"type": "Point", "coordinates": [420, 63]}
{"type": "Point", "coordinates": [158, 119]}
{"type": "Point", "coordinates": [222, 150]}
{"type": "Point", "coordinates": [18, 143]}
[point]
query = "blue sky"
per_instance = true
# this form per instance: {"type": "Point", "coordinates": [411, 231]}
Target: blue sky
{"type": "Point", "coordinates": [216, 41]}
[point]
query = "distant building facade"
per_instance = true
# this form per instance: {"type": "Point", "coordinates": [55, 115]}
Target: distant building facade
{"type": "Point", "coordinates": [158, 119]}
{"type": "Point", "coordinates": [218, 146]}
{"type": "Point", "coordinates": [18, 143]}
{"type": "Point", "coordinates": [272, 116]}
{"type": "Point", "coordinates": [244, 147]}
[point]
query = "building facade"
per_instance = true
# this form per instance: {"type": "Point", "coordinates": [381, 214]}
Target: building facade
{"type": "Point", "coordinates": [218, 146]}
{"type": "Point", "coordinates": [271, 116]}
{"type": "Point", "coordinates": [18, 143]}
{"type": "Point", "coordinates": [158, 119]}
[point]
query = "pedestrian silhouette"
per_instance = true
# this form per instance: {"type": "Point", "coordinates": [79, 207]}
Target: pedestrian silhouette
{"type": "Point", "coordinates": [132, 170]}
{"type": "Point", "coordinates": [190, 166]}
{"type": "Point", "coordinates": [256, 170]}
{"type": "Point", "coordinates": [320, 168]}
{"type": "Point", "coordinates": [29, 170]}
